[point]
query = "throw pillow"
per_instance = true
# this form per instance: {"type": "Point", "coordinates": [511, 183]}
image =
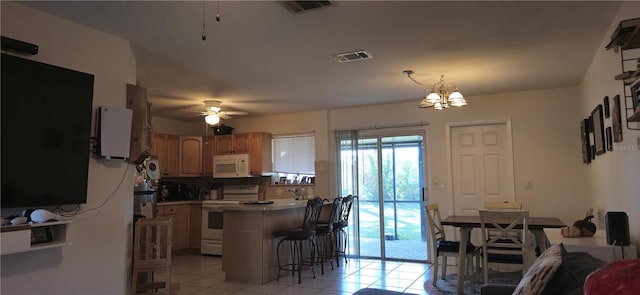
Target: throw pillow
{"type": "Point", "coordinates": [540, 272]}
{"type": "Point", "coordinates": [620, 277]}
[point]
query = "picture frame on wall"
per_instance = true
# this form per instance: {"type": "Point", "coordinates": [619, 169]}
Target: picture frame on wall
{"type": "Point", "coordinates": [609, 139]}
{"type": "Point", "coordinates": [586, 142]}
{"type": "Point", "coordinates": [599, 141]}
{"type": "Point", "coordinates": [616, 119]}
{"type": "Point", "coordinates": [605, 104]}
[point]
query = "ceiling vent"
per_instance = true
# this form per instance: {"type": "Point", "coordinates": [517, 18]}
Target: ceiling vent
{"type": "Point", "coordinates": [300, 6]}
{"type": "Point", "coordinates": [352, 56]}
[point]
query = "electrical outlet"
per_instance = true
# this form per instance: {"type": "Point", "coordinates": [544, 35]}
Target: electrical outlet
{"type": "Point", "coordinates": [529, 184]}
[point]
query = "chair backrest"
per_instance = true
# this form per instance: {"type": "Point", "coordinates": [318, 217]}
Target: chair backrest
{"type": "Point", "coordinates": [505, 232]}
{"type": "Point", "coordinates": [334, 215]}
{"type": "Point", "coordinates": [345, 209]}
{"type": "Point", "coordinates": [312, 213]}
{"type": "Point", "coordinates": [152, 242]}
{"type": "Point", "coordinates": [503, 206]}
{"type": "Point", "coordinates": [434, 221]}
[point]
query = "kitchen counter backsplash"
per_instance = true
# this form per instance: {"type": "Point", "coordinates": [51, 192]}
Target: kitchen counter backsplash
{"type": "Point", "coordinates": [197, 188]}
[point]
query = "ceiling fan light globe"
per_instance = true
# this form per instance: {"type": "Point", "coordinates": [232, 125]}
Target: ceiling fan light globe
{"type": "Point", "coordinates": [212, 119]}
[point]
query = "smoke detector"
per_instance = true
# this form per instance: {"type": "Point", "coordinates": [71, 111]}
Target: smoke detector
{"type": "Point", "coordinates": [352, 56]}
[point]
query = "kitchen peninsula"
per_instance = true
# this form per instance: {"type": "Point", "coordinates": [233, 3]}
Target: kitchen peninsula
{"type": "Point", "coordinates": [249, 246]}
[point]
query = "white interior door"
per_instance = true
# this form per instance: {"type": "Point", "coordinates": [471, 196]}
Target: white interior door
{"type": "Point", "coordinates": [482, 166]}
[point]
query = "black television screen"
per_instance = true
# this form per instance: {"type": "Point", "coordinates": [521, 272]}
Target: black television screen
{"type": "Point", "coordinates": [46, 128]}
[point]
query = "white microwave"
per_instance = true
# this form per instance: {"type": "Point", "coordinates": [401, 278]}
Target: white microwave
{"type": "Point", "coordinates": [226, 166]}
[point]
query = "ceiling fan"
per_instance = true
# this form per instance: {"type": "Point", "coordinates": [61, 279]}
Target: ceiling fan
{"type": "Point", "coordinates": [213, 112]}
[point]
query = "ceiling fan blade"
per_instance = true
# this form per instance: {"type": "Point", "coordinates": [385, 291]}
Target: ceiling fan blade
{"type": "Point", "coordinates": [233, 113]}
{"type": "Point", "coordinates": [224, 116]}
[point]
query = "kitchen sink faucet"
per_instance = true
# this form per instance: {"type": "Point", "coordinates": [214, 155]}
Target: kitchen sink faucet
{"type": "Point", "coordinates": [297, 191]}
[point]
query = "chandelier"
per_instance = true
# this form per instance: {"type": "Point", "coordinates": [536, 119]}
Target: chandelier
{"type": "Point", "coordinates": [441, 95]}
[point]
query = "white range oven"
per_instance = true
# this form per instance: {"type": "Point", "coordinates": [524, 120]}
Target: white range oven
{"type": "Point", "coordinates": [213, 215]}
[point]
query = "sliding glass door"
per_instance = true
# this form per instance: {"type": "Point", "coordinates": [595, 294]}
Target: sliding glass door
{"type": "Point", "coordinates": [386, 173]}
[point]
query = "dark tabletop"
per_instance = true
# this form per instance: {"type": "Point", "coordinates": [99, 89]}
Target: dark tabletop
{"type": "Point", "coordinates": [536, 223]}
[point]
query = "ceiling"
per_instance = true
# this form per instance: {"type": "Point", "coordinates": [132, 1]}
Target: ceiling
{"type": "Point", "coordinates": [263, 59]}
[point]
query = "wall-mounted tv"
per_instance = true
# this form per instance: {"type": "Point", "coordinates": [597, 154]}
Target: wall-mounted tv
{"type": "Point", "coordinates": [46, 128]}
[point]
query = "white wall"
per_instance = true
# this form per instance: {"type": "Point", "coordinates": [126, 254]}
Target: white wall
{"type": "Point", "coordinates": [546, 144]}
{"type": "Point", "coordinates": [612, 178]}
{"type": "Point", "coordinates": [98, 260]}
{"type": "Point", "coordinates": [168, 126]}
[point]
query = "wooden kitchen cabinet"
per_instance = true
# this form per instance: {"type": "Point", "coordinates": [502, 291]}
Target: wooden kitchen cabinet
{"type": "Point", "coordinates": [167, 148]}
{"type": "Point", "coordinates": [195, 226]}
{"type": "Point", "coordinates": [208, 149]}
{"type": "Point", "coordinates": [260, 153]}
{"type": "Point", "coordinates": [191, 155]}
{"type": "Point", "coordinates": [182, 227]}
{"type": "Point", "coordinates": [180, 222]}
{"type": "Point", "coordinates": [233, 144]}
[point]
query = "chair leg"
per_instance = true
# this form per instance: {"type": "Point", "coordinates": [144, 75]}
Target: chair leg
{"type": "Point", "coordinates": [444, 267]}
{"type": "Point", "coordinates": [485, 268]}
{"type": "Point", "coordinates": [300, 261]}
{"type": "Point", "coordinates": [435, 270]}
{"type": "Point", "coordinates": [313, 247]}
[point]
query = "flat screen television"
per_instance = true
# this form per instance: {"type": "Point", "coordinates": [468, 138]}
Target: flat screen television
{"type": "Point", "coordinates": [46, 129]}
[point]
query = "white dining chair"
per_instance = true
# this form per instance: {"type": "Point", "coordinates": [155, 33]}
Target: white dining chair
{"type": "Point", "coordinates": [505, 241]}
{"type": "Point", "coordinates": [445, 248]}
{"type": "Point", "coordinates": [503, 206]}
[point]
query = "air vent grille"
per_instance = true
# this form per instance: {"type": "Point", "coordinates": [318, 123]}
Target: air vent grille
{"type": "Point", "coordinates": [300, 6]}
{"type": "Point", "coordinates": [352, 56]}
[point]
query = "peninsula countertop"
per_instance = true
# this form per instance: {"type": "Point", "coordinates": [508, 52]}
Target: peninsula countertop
{"type": "Point", "coordinates": [275, 206]}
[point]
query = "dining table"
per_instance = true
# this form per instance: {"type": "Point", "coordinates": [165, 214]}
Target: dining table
{"type": "Point", "coordinates": [466, 223]}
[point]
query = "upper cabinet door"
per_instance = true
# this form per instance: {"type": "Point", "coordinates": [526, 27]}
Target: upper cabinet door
{"type": "Point", "coordinates": [224, 144]}
{"type": "Point", "coordinates": [209, 148]}
{"type": "Point", "coordinates": [242, 143]}
{"type": "Point", "coordinates": [173, 155]}
{"type": "Point", "coordinates": [190, 156]}
{"type": "Point", "coordinates": [159, 148]}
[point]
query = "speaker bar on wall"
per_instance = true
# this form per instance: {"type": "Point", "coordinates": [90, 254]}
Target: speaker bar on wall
{"type": "Point", "coordinates": [18, 46]}
{"type": "Point", "coordinates": [617, 226]}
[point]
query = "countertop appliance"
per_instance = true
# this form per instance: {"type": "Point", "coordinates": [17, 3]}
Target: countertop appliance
{"type": "Point", "coordinates": [213, 216]}
{"type": "Point", "coordinates": [230, 166]}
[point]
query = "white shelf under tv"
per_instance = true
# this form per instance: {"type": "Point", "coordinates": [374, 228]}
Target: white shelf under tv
{"type": "Point", "coordinates": [20, 238]}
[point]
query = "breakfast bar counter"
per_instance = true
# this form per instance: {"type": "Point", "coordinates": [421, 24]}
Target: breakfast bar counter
{"type": "Point", "coordinates": [248, 253]}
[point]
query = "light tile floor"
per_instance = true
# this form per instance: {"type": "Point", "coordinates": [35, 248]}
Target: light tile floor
{"type": "Point", "coordinates": [202, 275]}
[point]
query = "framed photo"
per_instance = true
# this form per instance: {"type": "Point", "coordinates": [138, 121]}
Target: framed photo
{"type": "Point", "coordinates": [283, 180]}
{"type": "Point", "coordinates": [586, 142]}
{"type": "Point", "coordinates": [609, 139]}
{"type": "Point", "coordinates": [635, 96]}
{"type": "Point", "coordinates": [605, 103]}
{"type": "Point", "coordinates": [616, 119]}
{"type": "Point", "coordinates": [598, 130]}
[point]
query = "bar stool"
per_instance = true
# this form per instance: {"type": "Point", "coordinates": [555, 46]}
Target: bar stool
{"type": "Point", "coordinates": [296, 238]}
{"type": "Point", "coordinates": [324, 234]}
{"type": "Point", "coordinates": [339, 228]}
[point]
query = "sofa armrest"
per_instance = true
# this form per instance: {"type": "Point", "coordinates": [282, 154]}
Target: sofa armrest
{"type": "Point", "coordinates": [497, 289]}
